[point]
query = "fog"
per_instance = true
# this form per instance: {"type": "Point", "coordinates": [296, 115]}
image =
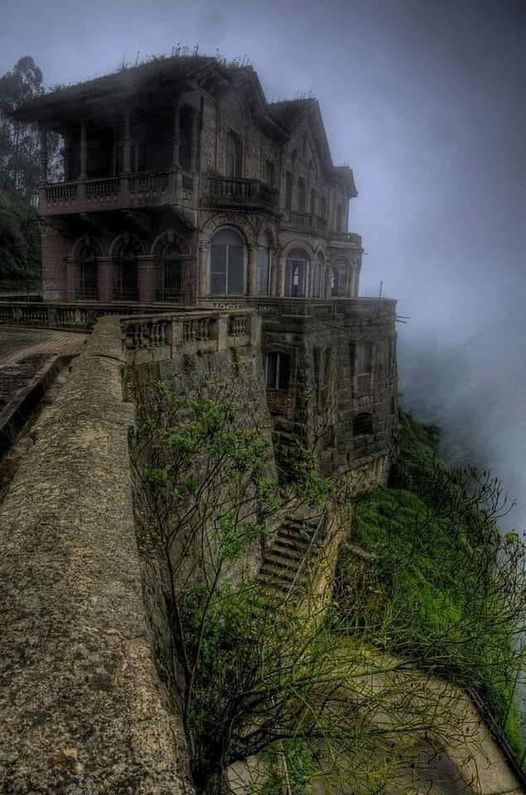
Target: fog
{"type": "Point", "coordinates": [426, 100]}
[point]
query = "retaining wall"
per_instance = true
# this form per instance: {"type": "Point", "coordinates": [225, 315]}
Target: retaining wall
{"type": "Point", "coordinates": [81, 707]}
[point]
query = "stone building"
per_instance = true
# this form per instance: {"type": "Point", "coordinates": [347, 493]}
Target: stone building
{"type": "Point", "coordinates": [184, 186]}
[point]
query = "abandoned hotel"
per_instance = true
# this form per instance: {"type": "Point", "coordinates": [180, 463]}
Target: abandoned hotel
{"type": "Point", "coordinates": [196, 231]}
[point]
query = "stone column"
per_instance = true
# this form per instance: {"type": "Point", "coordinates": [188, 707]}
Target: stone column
{"type": "Point", "coordinates": [356, 282]}
{"type": "Point", "coordinates": [251, 270]}
{"type": "Point", "coordinates": [72, 276]}
{"type": "Point", "coordinates": [83, 151]}
{"type": "Point", "coordinates": [67, 150]}
{"type": "Point", "coordinates": [174, 177]}
{"type": "Point", "coordinates": [280, 286]}
{"type": "Point", "coordinates": [195, 142]}
{"type": "Point", "coordinates": [146, 279]}
{"type": "Point", "coordinates": [176, 142]}
{"type": "Point", "coordinates": [43, 155]}
{"type": "Point", "coordinates": [126, 145]}
{"type": "Point", "coordinates": [204, 284]}
{"type": "Point", "coordinates": [105, 279]}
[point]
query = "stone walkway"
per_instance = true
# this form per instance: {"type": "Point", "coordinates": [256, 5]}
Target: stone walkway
{"type": "Point", "coordinates": [20, 343]}
{"type": "Point", "coordinates": [24, 352]}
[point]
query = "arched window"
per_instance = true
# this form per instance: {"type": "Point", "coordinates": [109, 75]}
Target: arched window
{"type": "Point", "coordinates": [362, 424]}
{"type": "Point", "coordinates": [233, 155]}
{"type": "Point", "coordinates": [301, 195]}
{"type": "Point", "coordinates": [296, 273]}
{"type": "Point", "coordinates": [317, 276]}
{"type": "Point", "coordinates": [86, 288]}
{"type": "Point", "coordinates": [125, 286]}
{"type": "Point", "coordinates": [170, 274]}
{"type": "Point", "coordinates": [227, 263]}
{"type": "Point", "coordinates": [323, 207]}
{"type": "Point", "coordinates": [263, 266]}
{"type": "Point", "coordinates": [335, 282]}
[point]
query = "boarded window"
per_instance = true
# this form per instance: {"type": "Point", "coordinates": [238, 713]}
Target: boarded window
{"type": "Point", "coordinates": [362, 424]}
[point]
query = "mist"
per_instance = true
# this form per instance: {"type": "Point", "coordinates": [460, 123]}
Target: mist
{"type": "Point", "coordinates": [426, 100]}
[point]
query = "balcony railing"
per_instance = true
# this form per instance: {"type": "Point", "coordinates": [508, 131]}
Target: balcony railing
{"type": "Point", "coordinates": [307, 222]}
{"type": "Point", "coordinates": [225, 191]}
{"type": "Point", "coordinates": [103, 190]}
{"type": "Point", "coordinates": [160, 337]}
{"type": "Point", "coordinates": [121, 192]}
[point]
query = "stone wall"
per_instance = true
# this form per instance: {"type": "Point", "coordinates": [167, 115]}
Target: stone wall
{"type": "Point", "coordinates": [82, 709]}
{"type": "Point", "coordinates": [341, 396]}
{"type": "Point", "coordinates": [232, 377]}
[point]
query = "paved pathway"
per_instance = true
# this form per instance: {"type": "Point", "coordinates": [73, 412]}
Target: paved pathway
{"type": "Point", "coordinates": [24, 352]}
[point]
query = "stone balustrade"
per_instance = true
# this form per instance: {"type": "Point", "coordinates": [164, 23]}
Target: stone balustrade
{"type": "Point", "coordinates": [160, 337]}
{"type": "Point", "coordinates": [118, 192]}
{"type": "Point", "coordinates": [226, 191]}
{"type": "Point", "coordinates": [359, 309]}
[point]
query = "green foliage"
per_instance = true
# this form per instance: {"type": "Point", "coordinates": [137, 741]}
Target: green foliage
{"type": "Point", "coordinates": [447, 589]}
{"type": "Point", "coordinates": [301, 766]}
{"type": "Point", "coordinates": [19, 142]}
{"type": "Point", "coordinates": [19, 244]}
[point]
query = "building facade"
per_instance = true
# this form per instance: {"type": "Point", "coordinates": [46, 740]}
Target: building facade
{"type": "Point", "coordinates": [183, 186]}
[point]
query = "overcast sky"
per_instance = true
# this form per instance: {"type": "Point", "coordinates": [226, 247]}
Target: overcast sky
{"type": "Point", "coordinates": [426, 100]}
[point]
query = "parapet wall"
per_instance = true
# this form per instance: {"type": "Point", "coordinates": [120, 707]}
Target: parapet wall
{"type": "Point", "coordinates": [82, 709]}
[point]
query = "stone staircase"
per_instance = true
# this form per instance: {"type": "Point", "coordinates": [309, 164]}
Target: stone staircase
{"type": "Point", "coordinates": [282, 567]}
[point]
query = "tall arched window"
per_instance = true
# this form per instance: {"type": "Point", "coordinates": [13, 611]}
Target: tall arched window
{"type": "Point", "coordinates": [125, 285]}
{"type": "Point", "coordinates": [263, 265]}
{"type": "Point", "coordinates": [227, 263]}
{"type": "Point", "coordinates": [170, 274]}
{"type": "Point", "coordinates": [233, 155]}
{"type": "Point", "coordinates": [86, 288]}
{"type": "Point", "coordinates": [296, 274]}
{"type": "Point", "coordinates": [301, 195]}
{"type": "Point", "coordinates": [317, 271]}
{"type": "Point", "coordinates": [323, 207]}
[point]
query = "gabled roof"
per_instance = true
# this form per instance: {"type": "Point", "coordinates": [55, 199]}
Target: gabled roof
{"type": "Point", "coordinates": [126, 81]}
{"type": "Point", "coordinates": [279, 119]}
{"type": "Point", "coordinates": [290, 112]}
{"type": "Point", "coordinates": [344, 173]}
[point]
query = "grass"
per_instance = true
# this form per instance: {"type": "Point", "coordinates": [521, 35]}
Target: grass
{"type": "Point", "coordinates": [444, 587]}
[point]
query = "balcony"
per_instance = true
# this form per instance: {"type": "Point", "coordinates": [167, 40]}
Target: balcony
{"type": "Point", "coordinates": [118, 193]}
{"type": "Point", "coordinates": [237, 192]}
{"type": "Point", "coordinates": [306, 222]}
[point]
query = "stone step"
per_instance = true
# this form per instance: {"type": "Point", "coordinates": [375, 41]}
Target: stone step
{"type": "Point", "coordinates": [279, 566]}
{"type": "Point", "coordinates": [274, 571]}
{"type": "Point", "coordinates": [292, 554]}
{"type": "Point", "coordinates": [299, 535]}
{"type": "Point", "coordinates": [274, 584]}
{"type": "Point", "coordinates": [278, 559]}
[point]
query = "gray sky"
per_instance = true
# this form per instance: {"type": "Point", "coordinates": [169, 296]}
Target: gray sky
{"type": "Point", "coordinates": [426, 100]}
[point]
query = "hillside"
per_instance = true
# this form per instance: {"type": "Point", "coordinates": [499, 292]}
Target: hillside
{"type": "Point", "coordinates": [446, 589]}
